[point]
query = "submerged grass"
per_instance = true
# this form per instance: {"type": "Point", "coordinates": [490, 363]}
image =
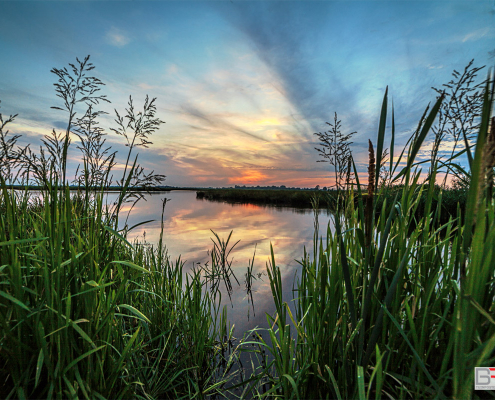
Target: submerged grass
{"type": "Point", "coordinates": [397, 302]}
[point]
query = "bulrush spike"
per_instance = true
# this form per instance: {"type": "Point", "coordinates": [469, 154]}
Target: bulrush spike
{"type": "Point", "coordinates": [369, 198]}
{"type": "Point", "coordinates": [371, 169]}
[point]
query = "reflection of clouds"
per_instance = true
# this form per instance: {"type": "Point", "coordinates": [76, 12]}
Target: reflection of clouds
{"type": "Point", "coordinates": [187, 233]}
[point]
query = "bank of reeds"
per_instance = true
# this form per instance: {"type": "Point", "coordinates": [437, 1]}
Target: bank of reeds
{"type": "Point", "coordinates": [408, 314]}
{"type": "Point", "coordinates": [279, 198]}
{"type": "Point", "coordinates": [451, 197]}
{"type": "Point", "coordinates": [83, 312]}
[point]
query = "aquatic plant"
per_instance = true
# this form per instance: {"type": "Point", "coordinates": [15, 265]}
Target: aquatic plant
{"type": "Point", "coordinates": [406, 313]}
{"type": "Point", "coordinates": [84, 312]}
{"type": "Point", "coordinates": [335, 148]}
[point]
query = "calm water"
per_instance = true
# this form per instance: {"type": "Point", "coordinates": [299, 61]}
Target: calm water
{"type": "Point", "coordinates": [187, 233]}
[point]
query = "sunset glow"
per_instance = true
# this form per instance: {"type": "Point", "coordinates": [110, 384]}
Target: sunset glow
{"type": "Point", "coordinates": [249, 177]}
{"type": "Point", "coordinates": [242, 86]}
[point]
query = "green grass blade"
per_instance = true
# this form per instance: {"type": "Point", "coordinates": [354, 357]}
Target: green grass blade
{"type": "Point", "coordinates": [118, 235]}
{"type": "Point", "coordinates": [360, 380]}
{"type": "Point", "coordinates": [81, 357]}
{"type": "Point", "coordinates": [418, 142]}
{"type": "Point", "coordinates": [39, 366]}
{"type": "Point", "coordinates": [392, 140]}
{"type": "Point", "coordinates": [135, 311]}
{"type": "Point", "coordinates": [132, 265]}
{"type": "Point", "coordinates": [22, 241]}
{"type": "Point", "coordinates": [347, 273]}
{"type": "Point", "coordinates": [292, 382]}
{"type": "Point", "coordinates": [334, 383]}
{"type": "Point", "coordinates": [381, 136]}
{"type": "Point", "coordinates": [14, 300]}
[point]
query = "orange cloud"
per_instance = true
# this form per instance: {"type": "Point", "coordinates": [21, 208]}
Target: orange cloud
{"type": "Point", "coordinates": [248, 177]}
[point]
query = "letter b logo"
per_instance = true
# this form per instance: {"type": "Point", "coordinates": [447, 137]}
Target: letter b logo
{"type": "Point", "coordinates": [482, 376]}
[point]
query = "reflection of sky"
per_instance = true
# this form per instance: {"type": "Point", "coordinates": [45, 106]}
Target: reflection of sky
{"type": "Point", "coordinates": [241, 85]}
{"type": "Point", "coordinates": [187, 233]}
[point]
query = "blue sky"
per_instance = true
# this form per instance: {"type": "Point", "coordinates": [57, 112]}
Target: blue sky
{"type": "Point", "coordinates": [242, 85]}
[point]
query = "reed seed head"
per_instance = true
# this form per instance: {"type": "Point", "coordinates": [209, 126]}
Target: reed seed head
{"type": "Point", "coordinates": [371, 169]}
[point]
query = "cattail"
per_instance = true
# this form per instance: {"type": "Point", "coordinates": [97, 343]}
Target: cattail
{"type": "Point", "coordinates": [369, 199]}
{"type": "Point", "coordinates": [371, 170]}
{"type": "Point", "coordinates": [348, 178]}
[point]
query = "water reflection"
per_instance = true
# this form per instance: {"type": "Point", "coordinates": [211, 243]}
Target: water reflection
{"type": "Point", "coordinates": [187, 231]}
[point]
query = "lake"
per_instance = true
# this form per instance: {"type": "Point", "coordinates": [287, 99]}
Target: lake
{"type": "Point", "coordinates": [188, 225]}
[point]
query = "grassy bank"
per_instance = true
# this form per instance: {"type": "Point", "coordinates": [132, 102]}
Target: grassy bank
{"type": "Point", "coordinates": [280, 198]}
{"type": "Point", "coordinates": [87, 314]}
{"type": "Point", "coordinates": [394, 303]}
{"type": "Point", "coordinates": [451, 198]}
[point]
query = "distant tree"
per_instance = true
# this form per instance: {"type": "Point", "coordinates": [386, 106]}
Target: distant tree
{"type": "Point", "coordinates": [335, 148]}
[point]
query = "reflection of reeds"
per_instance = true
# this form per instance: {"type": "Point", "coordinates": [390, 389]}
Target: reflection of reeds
{"type": "Point", "coordinates": [220, 269]}
{"type": "Point", "coordinates": [249, 283]}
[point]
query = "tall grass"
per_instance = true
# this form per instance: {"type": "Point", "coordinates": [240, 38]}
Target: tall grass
{"type": "Point", "coordinates": [83, 312]}
{"type": "Point", "coordinates": [407, 313]}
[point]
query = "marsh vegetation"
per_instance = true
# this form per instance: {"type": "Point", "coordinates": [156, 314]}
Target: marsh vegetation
{"type": "Point", "coordinates": [393, 303]}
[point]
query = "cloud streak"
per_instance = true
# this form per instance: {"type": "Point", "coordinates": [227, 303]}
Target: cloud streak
{"type": "Point", "coordinates": [217, 123]}
{"type": "Point", "coordinates": [117, 37]}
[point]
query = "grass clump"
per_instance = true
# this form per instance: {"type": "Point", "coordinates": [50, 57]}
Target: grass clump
{"type": "Point", "coordinates": [83, 312]}
{"type": "Point", "coordinates": [395, 303]}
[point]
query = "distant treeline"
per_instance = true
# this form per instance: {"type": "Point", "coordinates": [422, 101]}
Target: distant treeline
{"type": "Point", "coordinates": [281, 187]}
{"type": "Point", "coordinates": [108, 188]}
{"type": "Point", "coordinates": [280, 197]}
{"type": "Point", "coordinates": [451, 198]}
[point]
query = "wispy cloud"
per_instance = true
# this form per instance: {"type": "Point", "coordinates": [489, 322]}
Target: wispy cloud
{"type": "Point", "coordinates": [477, 34]}
{"type": "Point", "coordinates": [117, 37]}
{"type": "Point", "coordinates": [216, 122]}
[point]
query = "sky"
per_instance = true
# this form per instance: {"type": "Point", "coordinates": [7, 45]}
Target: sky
{"type": "Point", "coordinates": [242, 86]}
